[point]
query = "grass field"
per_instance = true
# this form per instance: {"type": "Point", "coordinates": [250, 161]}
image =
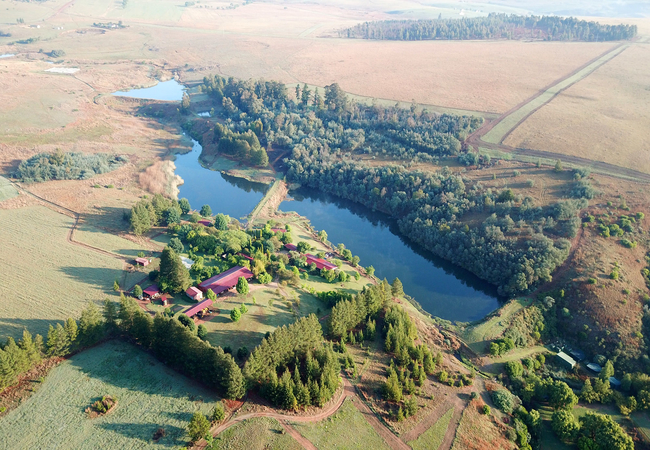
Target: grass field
{"type": "Point", "coordinates": [477, 431]}
{"type": "Point", "coordinates": [45, 278]}
{"type": "Point", "coordinates": [259, 433]}
{"type": "Point", "coordinates": [7, 191]}
{"type": "Point", "coordinates": [150, 396]}
{"type": "Point", "coordinates": [498, 133]}
{"type": "Point", "coordinates": [432, 438]}
{"type": "Point", "coordinates": [346, 429]}
{"type": "Point", "coordinates": [602, 117]}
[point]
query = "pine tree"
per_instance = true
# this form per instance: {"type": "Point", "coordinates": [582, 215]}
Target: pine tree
{"type": "Point", "coordinates": [29, 348]}
{"type": "Point", "coordinates": [218, 413]}
{"type": "Point", "coordinates": [392, 387]}
{"type": "Point", "coordinates": [396, 288]}
{"type": "Point", "coordinates": [400, 414]}
{"type": "Point", "coordinates": [242, 286]}
{"type": "Point", "coordinates": [110, 315]}
{"type": "Point", "coordinates": [173, 276]}
{"type": "Point", "coordinates": [235, 314]}
{"type": "Point", "coordinates": [198, 427]}
{"type": "Point", "coordinates": [91, 325]}
{"type": "Point", "coordinates": [71, 330]}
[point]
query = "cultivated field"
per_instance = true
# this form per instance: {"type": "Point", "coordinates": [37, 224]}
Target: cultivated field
{"type": "Point", "coordinates": [603, 117]}
{"type": "Point", "coordinates": [46, 278]}
{"type": "Point", "coordinates": [150, 396]}
{"type": "Point", "coordinates": [345, 429]}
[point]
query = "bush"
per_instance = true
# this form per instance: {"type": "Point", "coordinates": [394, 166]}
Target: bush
{"type": "Point", "coordinates": [503, 400]}
{"type": "Point", "coordinates": [67, 166]}
{"type": "Point", "coordinates": [486, 410]}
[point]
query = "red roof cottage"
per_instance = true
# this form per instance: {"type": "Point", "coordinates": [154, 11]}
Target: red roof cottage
{"type": "Point", "coordinates": [194, 293]}
{"type": "Point", "coordinates": [144, 262]}
{"type": "Point", "coordinates": [226, 280]}
{"type": "Point", "coordinates": [320, 263]}
{"type": "Point", "coordinates": [199, 309]}
{"type": "Point", "coordinates": [152, 291]}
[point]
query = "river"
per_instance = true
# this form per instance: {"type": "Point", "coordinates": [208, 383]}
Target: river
{"type": "Point", "coordinates": [444, 290]}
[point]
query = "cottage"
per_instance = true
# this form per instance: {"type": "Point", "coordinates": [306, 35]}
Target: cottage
{"type": "Point", "coordinates": [291, 247]}
{"type": "Point", "coordinates": [144, 262]}
{"type": "Point", "coordinates": [152, 291]}
{"type": "Point", "coordinates": [199, 309]}
{"type": "Point", "coordinates": [226, 280]}
{"type": "Point", "coordinates": [565, 360]}
{"type": "Point", "coordinates": [194, 293]}
{"type": "Point", "coordinates": [320, 263]}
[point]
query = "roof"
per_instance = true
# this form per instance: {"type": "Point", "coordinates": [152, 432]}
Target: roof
{"type": "Point", "coordinates": [320, 263]}
{"type": "Point", "coordinates": [198, 307]}
{"type": "Point", "coordinates": [187, 262]}
{"type": "Point", "coordinates": [205, 223]}
{"type": "Point", "coordinates": [578, 355]}
{"type": "Point", "coordinates": [614, 382]}
{"type": "Point", "coordinates": [291, 247]}
{"type": "Point", "coordinates": [143, 261]}
{"type": "Point", "coordinates": [193, 291]}
{"type": "Point", "coordinates": [245, 256]}
{"type": "Point", "coordinates": [278, 230]}
{"type": "Point", "coordinates": [226, 280]}
{"type": "Point", "coordinates": [152, 290]}
{"type": "Point", "coordinates": [566, 358]}
{"type": "Point", "coordinates": [594, 367]}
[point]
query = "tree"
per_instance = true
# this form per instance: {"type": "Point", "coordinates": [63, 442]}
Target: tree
{"type": "Point", "coordinates": [173, 215]}
{"type": "Point", "coordinates": [607, 371]}
{"type": "Point", "coordinates": [503, 400]}
{"type": "Point", "coordinates": [564, 425]}
{"type": "Point", "coordinates": [392, 387]}
{"type": "Point", "coordinates": [91, 325]}
{"type": "Point", "coordinates": [137, 291]}
{"type": "Point", "coordinates": [198, 427]}
{"type": "Point", "coordinates": [211, 295]}
{"type": "Point", "coordinates": [561, 396]}
{"type": "Point", "coordinates": [176, 245]}
{"type": "Point", "coordinates": [370, 270]}
{"type": "Point", "coordinates": [116, 286]}
{"type": "Point", "coordinates": [173, 276]}
{"type": "Point", "coordinates": [243, 309]}
{"type": "Point", "coordinates": [185, 102]}
{"type": "Point", "coordinates": [184, 205]}
{"type": "Point", "coordinates": [218, 413]}
{"type": "Point", "coordinates": [202, 332]}
{"type": "Point", "coordinates": [303, 247]}
{"type": "Point", "coordinates": [206, 211]}
{"type": "Point", "coordinates": [558, 166]}
{"type": "Point", "coordinates": [71, 330]}
{"type": "Point", "coordinates": [600, 432]}
{"type": "Point", "coordinates": [110, 315]}
{"type": "Point", "coordinates": [587, 393]}
{"type": "Point", "coordinates": [221, 222]}
{"type": "Point", "coordinates": [235, 314]}
{"type": "Point", "coordinates": [242, 286]}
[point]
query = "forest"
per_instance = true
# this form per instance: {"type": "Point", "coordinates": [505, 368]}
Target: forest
{"type": "Point", "coordinates": [66, 166]}
{"type": "Point", "coordinates": [494, 26]}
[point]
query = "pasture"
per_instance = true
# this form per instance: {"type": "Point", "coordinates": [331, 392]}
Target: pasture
{"type": "Point", "coordinates": [345, 429]}
{"type": "Point", "coordinates": [603, 117]}
{"type": "Point", "coordinates": [45, 278]}
{"type": "Point", "coordinates": [7, 191]}
{"type": "Point", "coordinates": [150, 396]}
{"type": "Point", "coordinates": [259, 433]}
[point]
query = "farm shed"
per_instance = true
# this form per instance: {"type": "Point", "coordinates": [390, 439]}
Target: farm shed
{"type": "Point", "coordinates": [291, 247]}
{"type": "Point", "coordinates": [226, 280]}
{"type": "Point", "coordinates": [152, 291]}
{"type": "Point", "coordinates": [614, 382]}
{"type": "Point", "coordinates": [566, 360]}
{"type": "Point", "coordinates": [320, 263]}
{"type": "Point", "coordinates": [199, 309]}
{"type": "Point", "coordinates": [194, 293]}
{"type": "Point", "coordinates": [205, 223]}
{"type": "Point", "coordinates": [578, 355]}
{"type": "Point", "coordinates": [164, 300]}
{"type": "Point", "coordinates": [594, 367]}
{"type": "Point", "coordinates": [144, 262]}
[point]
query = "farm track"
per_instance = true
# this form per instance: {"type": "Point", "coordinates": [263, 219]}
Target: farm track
{"type": "Point", "coordinates": [285, 420]}
{"type": "Point", "coordinates": [476, 138]}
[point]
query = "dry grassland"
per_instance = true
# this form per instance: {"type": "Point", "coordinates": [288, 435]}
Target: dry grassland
{"type": "Point", "coordinates": [44, 277]}
{"type": "Point", "coordinates": [479, 432]}
{"type": "Point", "coordinates": [604, 117]}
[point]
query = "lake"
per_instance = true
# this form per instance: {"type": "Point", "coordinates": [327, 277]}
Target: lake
{"type": "Point", "coordinates": [444, 290]}
{"type": "Point", "coordinates": [441, 288]}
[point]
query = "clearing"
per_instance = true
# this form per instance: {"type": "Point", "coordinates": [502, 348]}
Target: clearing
{"type": "Point", "coordinates": [258, 433]}
{"type": "Point", "coordinates": [433, 437]}
{"type": "Point", "coordinates": [150, 396]}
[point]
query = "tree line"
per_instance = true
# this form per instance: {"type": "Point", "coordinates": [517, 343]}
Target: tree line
{"type": "Point", "coordinates": [494, 26]}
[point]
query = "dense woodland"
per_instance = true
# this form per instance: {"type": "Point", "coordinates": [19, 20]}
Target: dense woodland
{"type": "Point", "coordinates": [67, 166]}
{"type": "Point", "coordinates": [332, 143]}
{"type": "Point", "coordinates": [494, 26]}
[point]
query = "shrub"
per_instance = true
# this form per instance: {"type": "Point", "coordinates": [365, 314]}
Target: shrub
{"type": "Point", "coordinates": [503, 400]}
{"type": "Point", "coordinates": [486, 410]}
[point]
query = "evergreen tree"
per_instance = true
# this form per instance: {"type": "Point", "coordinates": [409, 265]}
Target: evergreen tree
{"type": "Point", "coordinates": [218, 413]}
{"type": "Point", "coordinates": [206, 211]}
{"type": "Point", "coordinates": [198, 427]}
{"type": "Point", "coordinates": [235, 314]}
{"type": "Point", "coordinates": [173, 276]}
{"type": "Point", "coordinates": [242, 286]}
{"type": "Point", "coordinates": [71, 331]}
{"type": "Point", "coordinates": [202, 332]}
{"type": "Point", "coordinates": [137, 291]}
{"type": "Point", "coordinates": [91, 325]}
{"type": "Point", "coordinates": [397, 288]}
{"type": "Point", "coordinates": [184, 205]}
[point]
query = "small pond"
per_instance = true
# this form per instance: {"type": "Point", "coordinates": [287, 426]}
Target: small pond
{"type": "Point", "coordinates": [166, 91]}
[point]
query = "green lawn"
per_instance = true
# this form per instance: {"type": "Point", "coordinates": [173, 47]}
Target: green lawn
{"type": "Point", "coordinates": [259, 433]}
{"type": "Point", "coordinates": [149, 395]}
{"type": "Point", "coordinates": [432, 438]}
{"type": "Point", "coordinates": [346, 429]}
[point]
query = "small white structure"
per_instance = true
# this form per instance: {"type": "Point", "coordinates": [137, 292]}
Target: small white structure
{"type": "Point", "coordinates": [187, 262]}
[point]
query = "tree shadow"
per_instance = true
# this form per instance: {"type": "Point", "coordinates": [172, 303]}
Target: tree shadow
{"type": "Point", "coordinates": [93, 276]}
{"type": "Point", "coordinates": [143, 432]}
{"type": "Point", "coordinates": [12, 326]}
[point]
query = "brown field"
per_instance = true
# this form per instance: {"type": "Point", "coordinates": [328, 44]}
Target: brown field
{"type": "Point", "coordinates": [603, 117]}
